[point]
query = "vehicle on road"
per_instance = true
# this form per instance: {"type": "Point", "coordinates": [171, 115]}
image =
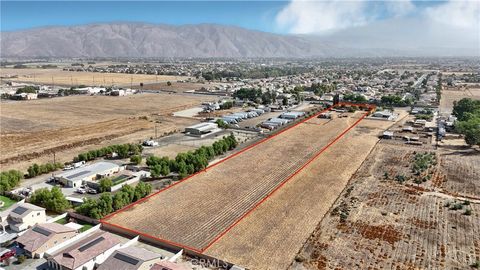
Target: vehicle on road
{"type": "Point", "coordinates": [81, 191]}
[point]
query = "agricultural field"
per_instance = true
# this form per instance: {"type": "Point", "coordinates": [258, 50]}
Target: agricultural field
{"type": "Point", "coordinates": [227, 191]}
{"type": "Point", "coordinates": [299, 206]}
{"type": "Point", "coordinates": [70, 78]}
{"type": "Point", "coordinates": [387, 219]}
{"type": "Point", "coordinates": [33, 130]}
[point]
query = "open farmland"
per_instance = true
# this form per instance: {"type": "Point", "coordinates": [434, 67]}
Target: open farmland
{"type": "Point", "coordinates": [379, 222]}
{"type": "Point", "coordinates": [34, 130]}
{"type": "Point", "coordinates": [202, 207]}
{"type": "Point", "coordinates": [270, 237]}
{"type": "Point", "coordinates": [70, 78]}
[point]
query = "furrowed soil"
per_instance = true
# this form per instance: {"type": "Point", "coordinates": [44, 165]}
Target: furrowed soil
{"type": "Point", "coordinates": [204, 206]}
{"type": "Point", "coordinates": [31, 131]}
{"type": "Point", "coordinates": [379, 222]}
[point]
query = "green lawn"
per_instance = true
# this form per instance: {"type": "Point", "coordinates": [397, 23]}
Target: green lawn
{"type": "Point", "coordinates": [85, 225]}
{"type": "Point", "coordinates": [62, 221]}
{"type": "Point", "coordinates": [7, 202]}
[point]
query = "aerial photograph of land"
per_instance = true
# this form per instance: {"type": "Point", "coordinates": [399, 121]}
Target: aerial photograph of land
{"type": "Point", "coordinates": [238, 135]}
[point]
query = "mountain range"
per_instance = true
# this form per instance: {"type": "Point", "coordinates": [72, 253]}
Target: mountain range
{"type": "Point", "coordinates": [141, 40]}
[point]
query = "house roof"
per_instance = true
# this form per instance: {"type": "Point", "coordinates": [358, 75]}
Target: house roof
{"type": "Point", "coordinates": [166, 265]}
{"type": "Point", "coordinates": [84, 250]}
{"type": "Point", "coordinates": [129, 258]}
{"type": "Point", "coordinates": [21, 210]}
{"type": "Point", "coordinates": [37, 236]}
{"type": "Point", "coordinates": [89, 170]}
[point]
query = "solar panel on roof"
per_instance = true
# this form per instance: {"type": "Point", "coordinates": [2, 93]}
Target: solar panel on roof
{"type": "Point", "coordinates": [91, 244]}
{"type": "Point", "coordinates": [41, 231]}
{"type": "Point", "coordinates": [78, 174]}
{"type": "Point", "coordinates": [125, 258]}
{"type": "Point", "coordinates": [19, 210]}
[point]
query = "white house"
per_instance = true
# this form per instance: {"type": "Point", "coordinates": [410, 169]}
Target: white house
{"type": "Point", "coordinates": [25, 215]}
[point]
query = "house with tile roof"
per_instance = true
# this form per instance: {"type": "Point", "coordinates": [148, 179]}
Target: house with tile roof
{"type": "Point", "coordinates": [41, 237]}
{"type": "Point", "coordinates": [86, 253]}
{"type": "Point", "coordinates": [131, 258]}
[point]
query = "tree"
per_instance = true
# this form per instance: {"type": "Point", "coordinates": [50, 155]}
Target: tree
{"type": "Point", "coordinates": [130, 191]}
{"type": "Point", "coordinates": [466, 108]}
{"type": "Point", "coordinates": [285, 101]}
{"type": "Point", "coordinates": [120, 199]}
{"type": "Point", "coordinates": [169, 83]}
{"type": "Point", "coordinates": [105, 184]}
{"type": "Point", "coordinates": [52, 200]}
{"type": "Point", "coordinates": [136, 159]}
{"type": "Point", "coordinates": [471, 129]}
{"type": "Point", "coordinates": [221, 123]}
{"type": "Point", "coordinates": [9, 180]}
{"type": "Point", "coordinates": [141, 190]}
{"type": "Point", "coordinates": [105, 204]}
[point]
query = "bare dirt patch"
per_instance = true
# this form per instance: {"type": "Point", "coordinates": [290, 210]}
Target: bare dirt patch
{"type": "Point", "coordinates": [33, 129]}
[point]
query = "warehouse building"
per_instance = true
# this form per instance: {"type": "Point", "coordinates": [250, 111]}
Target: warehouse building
{"type": "Point", "coordinates": [202, 129]}
{"type": "Point", "coordinates": [292, 115]}
{"type": "Point", "coordinates": [76, 177]}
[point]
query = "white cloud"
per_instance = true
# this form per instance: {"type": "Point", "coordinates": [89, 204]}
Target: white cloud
{"type": "Point", "coordinates": [398, 8]}
{"type": "Point", "coordinates": [458, 13]}
{"type": "Point", "coordinates": [325, 16]}
{"type": "Point", "coordinates": [304, 17]}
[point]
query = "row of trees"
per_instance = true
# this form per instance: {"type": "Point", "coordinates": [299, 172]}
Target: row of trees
{"type": "Point", "coordinates": [356, 98]}
{"type": "Point", "coordinates": [122, 150]}
{"type": "Point", "coordinates": [9, 180]}
{"type": "Point", "coordinates": [107, 203]}
{"type": "Point", "coordinates": [318, 88]}
{"type": "Point", "coordinates": [395, 100]}
{"type": "Point", "coordinates": [255, 73]}
{"type": "Point", "coordinates": [27, 89]}
{"type": "Point", "coordinates": [36, 169]}
{"type": "Point", "coordinates": [190, 162]}
{"type": "Point", "coordinates": [52, 200]}
{"type": "Point", "coordinates": [467, 111]}
{"type": "Point", "coordinates": [255, 95]}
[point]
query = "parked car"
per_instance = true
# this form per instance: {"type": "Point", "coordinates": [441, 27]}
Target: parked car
{"type": "Point", "coordinates": [92, 191]}
{"type": "Point", "coordinates": [6, 253]}
{"type": "Point", "coordinates": [81, 191]}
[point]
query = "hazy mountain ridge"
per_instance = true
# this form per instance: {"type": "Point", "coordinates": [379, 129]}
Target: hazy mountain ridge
{"type": "Point", "coordinates": [145, 40]}
{"type": "Point", "coordinates": [138, 40]}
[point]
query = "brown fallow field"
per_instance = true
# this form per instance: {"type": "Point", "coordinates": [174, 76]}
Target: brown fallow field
{"type": "Point", "coordinates": [195, 213]}
{"type": "Point", "coordinates": [31, 131]}
{"type": "Point", "coordinates": [71, 78]}
{"type": "Point", "coordinates": [380, 223]}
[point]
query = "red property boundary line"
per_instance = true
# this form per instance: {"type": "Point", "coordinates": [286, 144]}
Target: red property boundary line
{"type": "Point", "coordinates": [103, 220]}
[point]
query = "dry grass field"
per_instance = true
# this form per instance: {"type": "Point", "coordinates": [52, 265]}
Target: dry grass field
{"type": "Point", "coordinates": [32, 131]}
{"type": "Point", "coordinates": [449, 95]}
{"type": "Point", "coordinates": [270, 237]}
{"type": "Point", "coordinates": [70, 78]}
{"type": "Point", "coordinates": [205, 205]}
{"type": "Point", "coordinates": [379, 223]}
{"type": "Point", "coordinates": [202, 207]}
{"type": "Point", "coordinates": [178, 87]}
